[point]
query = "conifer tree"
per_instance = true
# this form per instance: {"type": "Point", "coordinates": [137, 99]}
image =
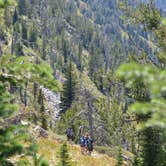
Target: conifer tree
{"type": "Point", "coordinates": [23, 7]}
{"type": "Point", "coordinates": [119, 158]}
{"type": "Point", "coordinates": [15, 16]}
{"type": "Point", "coordinates": [9, 145]}
{"type": "Point", "coordinates": [151, 134]}
{"type": "Point", "coordinates": [42, 110]}
{"type": "Point", "coordinates": [151, 147]}
{"type": "Point", "coordinates": [80, 65]}
{"type": "Point", "coordinates": [149, 113]}
{"type": "Point", "coordinates": [24, 33]}
{"type": "Point", "coordinates": [33, 37]}
{"type": "Point", "coordinates": [69, 86]}
{"type": "Point", "coordinates": [65, 49]}
{"type": "Point", "coordinates": [64, 156]}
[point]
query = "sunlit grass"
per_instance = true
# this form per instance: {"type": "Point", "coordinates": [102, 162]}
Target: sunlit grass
{"type": "Point", "coordinates": [50, 149]}
{"type": "Point", "coordinates": [164, 20]}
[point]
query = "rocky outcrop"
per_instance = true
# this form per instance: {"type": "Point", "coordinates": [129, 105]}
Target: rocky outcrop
{"type": "Point", "coordinates": [52, 104]}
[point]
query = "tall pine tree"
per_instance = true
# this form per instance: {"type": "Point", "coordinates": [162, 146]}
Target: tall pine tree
{"type": "Point", "coordinates": [69, 86]}
{"type": "Point", "coordinates": [9, 144]}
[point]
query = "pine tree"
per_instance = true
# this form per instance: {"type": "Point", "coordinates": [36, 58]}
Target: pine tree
{"type": "Point", "coordinates": [151, 147]}
{"type": "Point", "coordinates": [69, 86]}
{"type": "Point", "coordinates": [44, 124]}
{"type": "Point", "coordinates": [136, 161]}
{"type": "Point", "coordinates": [119, 158]}
{"type": "Point", "coordinates": [15, 16]}
{"type": "Point", "coordinates": [24, 33]}
{"type": "Point", "coordinates": [65, 49]}
{"type": "Point", "coordinates": [95, 64]}
{"type": "Point", "coordinates": [23, 7]}
{"type": "Point", "coordinates": [148, 112]}
{"type": "Point", "coordinates": [64, 156]}
{"type": "Point", "coordinates": [9, 145]}
{"type": "Point", "coordinates": [33, 37]}
{"type": "Point", "coordinates": [80, 65]}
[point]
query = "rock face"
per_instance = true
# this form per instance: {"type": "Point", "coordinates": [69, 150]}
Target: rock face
{"type": "Point", "coordinates": [40, 132]}
{"type": "Point", "coordinates": [52, 105]}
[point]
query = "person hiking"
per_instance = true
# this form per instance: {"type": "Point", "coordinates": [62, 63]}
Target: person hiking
{"type": "Point", "coordinates": [70, 134]}
{"type": "Point", "coordinates": [89, 145]}
{"type": "Point", "coordinates": [83, 144]}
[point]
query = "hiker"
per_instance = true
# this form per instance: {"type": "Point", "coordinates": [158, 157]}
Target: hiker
{"type": "Point", "coordinates": [83, 144]}
{"type": "Point", "coordinates": [89, 144]}
{"type": "Point", "coordinates": [70, 134]}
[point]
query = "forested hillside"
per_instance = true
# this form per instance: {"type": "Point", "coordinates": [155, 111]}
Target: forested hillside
{"type": "Point", "coordinates": [97, 67]}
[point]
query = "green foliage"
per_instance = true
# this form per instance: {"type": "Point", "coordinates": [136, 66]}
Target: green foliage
{"type": "Point", "coordinates": [15, 17]}
{"type": "Point", "coordinates": [145, 13]}
{"type": "Point", "coordinates": [9, 144]}
{"type": "Point", "coordinates": [18, 70]}
{"type": "Point", "coordinates": [40, 73]}
{"type": "Point", "coordinates": [23, 162]}
{"type": "Point", "coordinates": [150, 15]}
{"type": "Point", "coordinates": [136, 161]}
{"type": "Point", "coordinates": [64, 156]}
{"type": "Point", "coordinates": [151, 147]}
{"type": "Point", "coordinates": [113, 120]}
{"type": "Point", "coordinates": [33, 37]}
{"type": "Point", "coordinates": [24, 33]}
{"type": "Point", "coordinates": [95, 63]}
{"type": "Point", "coordinates": [69, 86]}
{"type": "Point", "coordinates": [149, 109]}
{"type": "Point", "coordinates": [5, 3]}
{"type": "Point", "coordinates": [119, 158]}
{"type": "Point", "coordinates": [163, 20]}
{"type": "Point", "coordinates": [39, 161]}
{"type": "Point", "coordinates": [23, 7]}
{"type": "Point", "coordinates": [63, 124]}
{"type": "Point", "coordinates": [6, 109]}
{"type": "Point", "coordinates": [161, 35]}
{"type": "Point", "coordinates": [154, 80]}
{"type": "Point", "coordinates": [1, 3]}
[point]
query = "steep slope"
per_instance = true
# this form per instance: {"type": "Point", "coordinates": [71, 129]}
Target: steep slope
{"type": "Point", "coordinates": [50, 148]}
{"type": "Point", "coordinates": [92, 36]}
{"type": "Point", "coordinates": [107, 16]}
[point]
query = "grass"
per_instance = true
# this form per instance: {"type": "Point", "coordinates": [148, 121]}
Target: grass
{"type": "Point", "coordinates": [50, 149]}
{"type": "Point", "coordinates": [164, 20]}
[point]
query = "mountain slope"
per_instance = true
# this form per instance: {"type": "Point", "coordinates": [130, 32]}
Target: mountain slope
{"type": "Point", "coordinates": [50, 148]}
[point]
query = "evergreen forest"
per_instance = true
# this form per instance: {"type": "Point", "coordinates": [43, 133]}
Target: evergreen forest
{"type": "Point", "coordinates": [97, 67]}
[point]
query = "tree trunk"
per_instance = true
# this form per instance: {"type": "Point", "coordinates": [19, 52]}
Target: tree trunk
{"type": "Point", "coordinates": [25, 95]}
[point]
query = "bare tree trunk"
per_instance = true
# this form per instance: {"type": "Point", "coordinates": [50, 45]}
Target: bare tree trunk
{"type": "Point", "coordinates": [21, 95]}
{"type": "Point", "coordinates": [25, 95]}
{"type": "Point", "coordinates": [12, 90]}
{"type": "Point", "coordinates": [35, 94]}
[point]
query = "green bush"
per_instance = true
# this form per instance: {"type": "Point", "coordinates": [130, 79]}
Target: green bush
{"type": "Point", "coordinates": [23, 162]}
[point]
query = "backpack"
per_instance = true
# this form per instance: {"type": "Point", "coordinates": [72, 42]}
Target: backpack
{"type": "Point", "coordinates": [82, 141]}
{"type": "Point", "coordinates": [69, 132]}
